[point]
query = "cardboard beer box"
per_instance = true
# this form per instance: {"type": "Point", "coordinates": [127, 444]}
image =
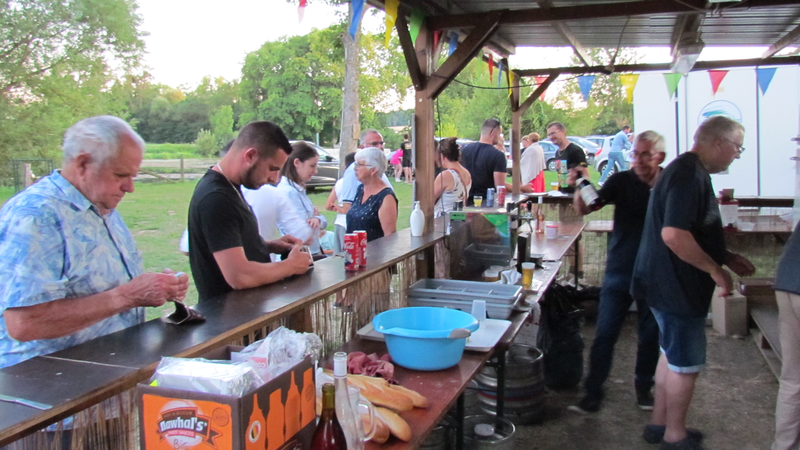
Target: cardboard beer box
{"type": "Point", "coordinates": [278, 415]}
{"type": "Point", "coordinates": [758, 291]}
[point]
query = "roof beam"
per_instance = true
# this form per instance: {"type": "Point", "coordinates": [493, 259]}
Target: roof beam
{"type": "Point", "coordinates": [664, 67]}
{"type": "Point", "coordinates": [787, 40]}
{"type": "Point", "coordinates": [466, 50]}
{"type": "Point", "coordinates": [595, 11]}
{"type": "Point", "coordinates": [414, 70]}
{"type": "Point", "coordinates": [567, 34]}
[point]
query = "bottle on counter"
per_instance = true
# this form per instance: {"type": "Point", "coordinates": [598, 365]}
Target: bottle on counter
{"type": "Point", "coordinates": [329, 434]}
{"type": "Point", "coordinates": [589, 194]}
{"type": "Point", "coordinates": [540, 215]}
{"type": "Point", "coordinates": [344, 410]}
{"type": "Point", "coordinates": [417, 220]}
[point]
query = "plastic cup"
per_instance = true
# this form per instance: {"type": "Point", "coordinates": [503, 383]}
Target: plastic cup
{"type": "Point", "coordinates": [479, 309]}
{"type": "Point", "coordinates": [527, 273]}
{"type": "Point", "coordinates": [551, 231]}
{"type": "Point", "coordinates": [477, 201]}
{"type": "Point", "coordinates": [554, 186]}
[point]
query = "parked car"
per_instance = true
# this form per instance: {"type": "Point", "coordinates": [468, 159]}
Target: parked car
{"type": "Point", "coordinates": [590, 147]}
{"type": "Point", "coordinates": [327, 168]}
{"type": "Point", "coordinates": [601, 159]}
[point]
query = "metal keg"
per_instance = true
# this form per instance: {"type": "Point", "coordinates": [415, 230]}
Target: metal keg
{"type": "Point", "coordinates": [488, 433]}
{"type": "Point", "coordinates": [442, 437]}
{"type": "Point", "coordinates": [524, 391]}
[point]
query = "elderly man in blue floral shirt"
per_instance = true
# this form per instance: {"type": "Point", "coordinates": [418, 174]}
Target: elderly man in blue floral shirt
{"type": "Point", "coordinates": [69, 267]}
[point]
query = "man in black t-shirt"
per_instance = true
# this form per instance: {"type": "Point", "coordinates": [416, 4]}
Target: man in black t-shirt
{"type": "Point", "coordinates": [574, 155]}
{"type": "Point", "coordinates": [629, 191]}
{"type": "Point", "coordinates": [485, 163]}
{"type": "Point", "coordinates": [679, 261]}
{"type": "Point", "coordinates": [226, 252]}
{"type": "Point", "coordinates": [406, 160]}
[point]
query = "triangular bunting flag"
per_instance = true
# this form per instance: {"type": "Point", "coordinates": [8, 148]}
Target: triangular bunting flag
{"type": "Point", "coordinates": [629, 83]}
{"type": "Point", "coordinates": [301, 10]}
{"type": "Point", "coordinates": [765, 78]}
{"type": "Point", "coordinates": [716, 78]}
{"type": "Point", "coordinates": [500, 74]}
{"type": "Point", "coordinates": [389, 20]}
{"type": "Point", "coordinates": [436, 36]}
{"type": "Point", "coordinates": [417, 16]}
{"type": "Point", "coordinates": [540, 80]}
{"type": "Point", "coordinates": [672, 80]}
{"type": "Point", "coordinates": [453, 43]}
{"type": "Point", "coordinates": [491, 68]}
{"type": "Point", "coordinates": [585, 82]}
{"type": "Point", "coordinates": [355, 21]}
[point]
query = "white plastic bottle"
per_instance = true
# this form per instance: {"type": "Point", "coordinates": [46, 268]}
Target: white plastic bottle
{"type": "Point", "coordinates": [417, 220]}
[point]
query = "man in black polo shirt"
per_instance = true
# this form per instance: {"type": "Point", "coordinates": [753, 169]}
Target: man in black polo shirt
{"type": "Point", "coordinates": [679, 261]}
{"type": "Point", "coordinates": [226, 251]}
{"type": "Point", "coordinates": [485, 163]}
{"type": "Point", "coordinates": [629, 191]}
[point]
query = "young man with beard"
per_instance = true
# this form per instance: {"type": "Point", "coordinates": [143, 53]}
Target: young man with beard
{"type": "Point", "coordinates": [226, 252]}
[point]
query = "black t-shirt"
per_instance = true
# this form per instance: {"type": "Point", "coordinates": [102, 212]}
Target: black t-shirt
{"type": "Point", "coordinates": [219, 219]}
{"type": "Point", "coordinates": [630, 196]}
{"type": "Point", "coordinates": [573, 154]}
{"type": "Point", "coordinates": [482, 161]}
{"type": "Point", "coordinates": [683, 198]}
{"type": "Point", "coordinates": [407, 152]}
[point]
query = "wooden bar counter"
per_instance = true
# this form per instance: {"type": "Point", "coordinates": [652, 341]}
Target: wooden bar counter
{"type": "Point", "coordinates": [76, 378]}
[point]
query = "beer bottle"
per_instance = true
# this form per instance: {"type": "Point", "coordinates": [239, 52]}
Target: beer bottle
{"type": "Point", "coordinates": [589, 195]}
{"type": "Point", "coordinates": [328, 435]}
{"type": "Point", "coordinates": [540, 215]}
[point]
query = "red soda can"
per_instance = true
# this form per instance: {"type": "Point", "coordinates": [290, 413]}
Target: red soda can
{"type": "Point", "coordinates": [501, 196]}
{"type": "Point", "coordinates": [352, 252]}
{"type": "Point", "coordinates": [362, 245]}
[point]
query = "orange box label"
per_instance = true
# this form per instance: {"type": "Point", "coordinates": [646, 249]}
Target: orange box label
{"type": "Point", "coordinates": [172, 423]}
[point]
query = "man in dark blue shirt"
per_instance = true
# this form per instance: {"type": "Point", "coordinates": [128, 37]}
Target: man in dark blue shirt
{"type": "Point", "coordinates": [485, 163]}
{"type": "Point", "coordinates": [629, 191]}
{"type": "Point", "coordinates": [679, 261]}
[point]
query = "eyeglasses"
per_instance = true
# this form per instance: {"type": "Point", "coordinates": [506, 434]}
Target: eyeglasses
{"type": "Point", "coordinates": [739, 148]}
{"type": "Point", "coordinates": [642, 155]}
{"type": "Point", "coordinates": [361, 164]}
{"type": "Point", "coordinates": [376, 143]}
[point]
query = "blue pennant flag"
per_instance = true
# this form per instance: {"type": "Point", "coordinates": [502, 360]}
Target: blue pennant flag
{"type": "Point", "coordinates": [765, 78]}
{"type": "Point", "coordinates": [500, 75]}
{"type": "Point", "coordinates": [586, 82]}
{"type": "Point", "coordinates": [453, 43]}
{"type": "Point", "coordinates": [358, 7]}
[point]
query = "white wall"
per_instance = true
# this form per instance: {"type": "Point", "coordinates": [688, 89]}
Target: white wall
{"type": "Point", "coordinates": [770, 121]}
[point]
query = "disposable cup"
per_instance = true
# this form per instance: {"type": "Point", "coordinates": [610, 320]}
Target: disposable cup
{"type": "Point", "coordinates": [479, 309]}
{"type": "Point", "coordinates": [551, 231]}
{"type": "Point", "coordinates": [527, 273]}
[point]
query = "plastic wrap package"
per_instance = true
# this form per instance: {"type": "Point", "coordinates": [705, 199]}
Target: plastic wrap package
{"type": "Point", "coordinates": [209, 376]}
{"type": "Point", "coordinates": [280, 350]}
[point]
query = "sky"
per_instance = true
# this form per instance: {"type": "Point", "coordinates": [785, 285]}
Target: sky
{"type": "Point", "coordinates": [188, 40]}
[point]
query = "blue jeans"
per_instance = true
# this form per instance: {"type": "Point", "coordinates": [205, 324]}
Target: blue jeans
{"type": "Point", "coordinates": [613, 157]}
{"type": "Point", "coordinates": [615, 300]}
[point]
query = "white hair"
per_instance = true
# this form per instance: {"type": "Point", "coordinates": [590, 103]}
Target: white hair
{"type": "Point", "coordinates": [655, 139]}
{"type": "Point", "coordinates": [372, 157]}
{"type": "Point", "coordinates": [98, 137]}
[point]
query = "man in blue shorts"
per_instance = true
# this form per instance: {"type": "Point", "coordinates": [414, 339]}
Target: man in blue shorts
{"type": "Point", "coordinates": [679, 261]}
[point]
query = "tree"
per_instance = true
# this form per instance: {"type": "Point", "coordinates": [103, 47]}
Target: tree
{"type": "Point", "coordinates": [54, 68]}
{"type": "Point", "coordinates": [222, 124]}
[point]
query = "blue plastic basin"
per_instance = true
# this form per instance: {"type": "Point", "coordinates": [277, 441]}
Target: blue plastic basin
{"type": "Point", "coordinates": [417, 338]}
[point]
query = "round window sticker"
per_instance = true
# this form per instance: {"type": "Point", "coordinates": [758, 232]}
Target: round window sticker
{"type": "Point", "coordinates": [720, 108]}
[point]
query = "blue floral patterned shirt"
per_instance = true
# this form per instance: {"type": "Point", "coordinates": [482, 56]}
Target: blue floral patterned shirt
{"type": "Point", "coordinates": [54, 244]}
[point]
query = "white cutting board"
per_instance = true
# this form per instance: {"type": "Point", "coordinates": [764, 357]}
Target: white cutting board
{"type": "Point", "coordinates": [483, 340]}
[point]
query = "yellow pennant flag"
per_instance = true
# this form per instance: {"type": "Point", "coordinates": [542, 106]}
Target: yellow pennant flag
{"type": "Point", "coordinates": [391, 17]}
{"type": "Point", "coordinates": [629, 82]}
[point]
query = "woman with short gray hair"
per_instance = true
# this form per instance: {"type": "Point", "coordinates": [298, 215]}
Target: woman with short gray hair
{"type": "Point", "coordinates": [374, 208]}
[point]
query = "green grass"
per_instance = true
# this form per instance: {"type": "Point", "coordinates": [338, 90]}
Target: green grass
{"type": "Point", "coordinates": [170, 151]}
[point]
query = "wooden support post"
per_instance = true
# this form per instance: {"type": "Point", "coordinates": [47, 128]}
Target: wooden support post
{"type": "Point", "coordinates": [28, 175]}
{"type": "Point", "coordinates": [516, 135]}
{"type": "Point", "coordinates": [425, 130]}
{"type": "Point", "coordinates": [181, 167]}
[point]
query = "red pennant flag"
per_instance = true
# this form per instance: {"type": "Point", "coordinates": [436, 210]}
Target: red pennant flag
{"type": "Point", "coordinates": [436, 36]}
{"type": "Point", "coordinates": [301, 10]}
{"type": "Point", "coordinates": [540, 80]}
{"type": "Point", "coordinates": [491, 68]}
{"type": "Point", "coordinates": [716, 78]}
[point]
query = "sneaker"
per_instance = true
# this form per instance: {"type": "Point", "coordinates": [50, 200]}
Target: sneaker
{"type": "Point", "coordinates": [644, 399]}
{"type": "Point", "coordinates": [686, 444]}
{"type": "Point", "coordinates": [587, 405]}
{"type": "Point", "coordinates": [653, 434]}
{"type": "Point", "coordinates": [397, 180]}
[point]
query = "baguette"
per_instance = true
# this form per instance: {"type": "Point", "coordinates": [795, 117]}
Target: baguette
{"type": "Point", "coordinates": [419, 400]}
{"type": "Point", "coordinates": [399, 427]}
{"type": "Point", "coordinates": [381, 429]}
{"type": "Point", "coordinates": [386, 397]}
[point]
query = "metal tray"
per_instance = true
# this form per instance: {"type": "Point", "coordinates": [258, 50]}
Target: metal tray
{"type": "Point", "coordinates": [492, 293]}
{"type": "Point", "coordinates": [493, 310]}
{"type": "Point", "coordinates": [488, 253]}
